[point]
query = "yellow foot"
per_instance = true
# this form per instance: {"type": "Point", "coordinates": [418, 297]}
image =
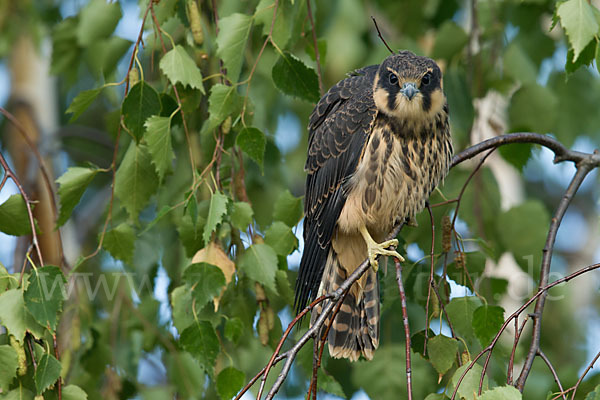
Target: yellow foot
{"type": "Point", "coordinates": [375, 249]}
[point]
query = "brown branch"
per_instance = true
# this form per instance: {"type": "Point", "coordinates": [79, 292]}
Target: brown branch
{"type": "Point", "coordinates": [431, 281]}
{"type": "Point", "coordinates": [553, 371]}
{"type": "Point", "coordinates": [317, 55]}
{"type": "Point", "coordinates": [44, 171]}
{"type": "Point", "coordinates": [380, 36]}
{"type": "Point", "coordinates": [561, 153]}
{"type": "Point", "coordinates": [518, 332]}
{"type": "Point", "coordinates": [406, 327]}
{"type": "Point", "coordinates": [318, 324]}
{"type": "Point", "coordinates": [583, 168]}
{"type": "Point", "coordinates": [518, 312]}
{"type": "Point", "coordinates": [9, 173]}
{"type": "Point", "coordinates": [590, 366]}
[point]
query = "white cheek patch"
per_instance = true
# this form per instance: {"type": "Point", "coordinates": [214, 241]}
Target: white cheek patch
{"type": "Point", "coordinates": [380, 96]}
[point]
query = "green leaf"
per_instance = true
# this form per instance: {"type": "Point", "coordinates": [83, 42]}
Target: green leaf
{"type": "Point", "coordinates": [119, 242]}
{"type": "Point", "coordinates": [259, 262]}
{"type": "Point", "coordinates": [502, 393]}
{"type": "Point", "coordinates": [81, 102]}
{"type": "Point", "coordinates": [241, 216]}
{"type": "Point", "coordinates": [449, 40]}
{"type": "Point", "coordinates": [47, 372]}
{"type": "Point", "coordinates": [222, 102]}
{"type": "Point", "coordinates": [73, 392]}
{"type": "Point", "coordinates": [206, 281]}
{"type": "Point", "coordinates": [294, 78]}
{"type": "Point", "coordinates": [15, 317]}
{"type": "Point", "coordinates": [281, 238]}
{"type": "Point", "coordinates": [288, 209]}
{"type": "Point", "coordinates": [470, 384]}
{"type": "Point", "coordinates": [65, 50]}
{"type": "Point", "coordinates": [234, 327]}
{"type": "Point", "coordinates": [181, 304]}
{"type": "Point", "coordinates": [598, 56]}
{"type": "Point", "coordinates": [594, 395]}
{"type": "Point", "coordinates": [136, 179]}
{"type": "Point", "coordinates": [179, 67]}
{"type": "Point", "coordinates": [218, 208]}
{"type": "Point", "coordinates": [141, 103]}
{"type": "Point", "coordinates": [517, 154]}
{"type": "Point", "coordinates": [72, 186]}
{"type": "Point", "coordinates": [19, 394]}
{"type": "Point", "coordinates": [201, 341]}
{"type": "Point", "coordinates": [460, 311]}
{"type": "Point", "coordinates": [44, 295]}
{"type": "Point", "coordinates": [577, 18]}
{"type": "Point", "coordinates": [487, 321]}
{"type": "Point", "coordinates": [442, 352]}
{"type": "Point", "coordinates": [523, 230]}
{"type": "Point", "coordinates": [7, 281]}
{"type": "Point", "coordinates": [8, 366]}
{"type": "Point", "coordinates": [253, 142]}
{"type": "Point", "coordinates": [13, 216]}
{"type": "Point", "coordinates": [585, 58]}
{"type": "Point", "coordinates": [231, 42]}
{"type": "Point", "coordinates": [97, 20]}
{"type": "Point", "coordinates": [229, 382]}
{"type": "Point", "coordinates": [417, 342]}
{"type": "Point", "coordinates": [518, 65]}
{"type": "Point", "coordinates": [282, 25]}
{"type": "Point", "coordinates": [527, 104]}
{"type": "Point", "coordinates": [158, 138]}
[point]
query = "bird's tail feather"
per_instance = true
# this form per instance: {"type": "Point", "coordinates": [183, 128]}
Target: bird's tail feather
{"type": "Point", "coordinates": [355, 329]}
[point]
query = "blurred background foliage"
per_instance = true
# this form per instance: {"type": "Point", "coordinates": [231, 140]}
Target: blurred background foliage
{"type": "Point", "coordinates": [222, 191]}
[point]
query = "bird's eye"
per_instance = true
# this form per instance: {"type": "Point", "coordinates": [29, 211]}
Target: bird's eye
{"type": "Point", "coordinates": [393, 79]}
{"type": "Point", "coordinates": [426, 78]}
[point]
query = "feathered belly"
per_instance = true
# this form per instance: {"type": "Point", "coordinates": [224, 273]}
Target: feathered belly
{"type": "Point", "coordinates": [393, 180]}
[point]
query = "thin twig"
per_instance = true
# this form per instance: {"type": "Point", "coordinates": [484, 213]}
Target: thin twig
{"type": "Point", "coordinates": [515, 314]}
{"type": "Point", "coordinates": [553, 371]}
{"type": "Point", "coordinates": [431, 273]}
{"type": "Point", "coordinates": [9, 173]}
{"type": "Point", "coordinates": [583, 168]}
{"type": "Point", "coordinates": [406, 327]}
{"type": "Point", "coordinates": [318, 324]}
{"type": "Point", "coordinates": [44, 171]}
{"type": "Point", "coordinates": [590, 366]}
{"type": "Point", "coordinates": [518, 331]}
{"type": "Point", "coordinates": [380, 36]}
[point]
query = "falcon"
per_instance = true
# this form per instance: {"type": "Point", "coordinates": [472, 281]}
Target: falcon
{"type": "Point", "coordinates": [379, 143]}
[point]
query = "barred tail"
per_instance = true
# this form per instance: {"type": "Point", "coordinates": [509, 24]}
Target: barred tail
{"type": "Point", "coordinates": [355, 329]}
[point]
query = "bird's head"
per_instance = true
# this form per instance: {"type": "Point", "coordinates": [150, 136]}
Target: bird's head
{"type": "Point", "coordinates": [408, 86]}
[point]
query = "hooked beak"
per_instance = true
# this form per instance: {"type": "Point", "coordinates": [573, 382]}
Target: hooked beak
{"type": "Point", "coordinates": [409, 90]}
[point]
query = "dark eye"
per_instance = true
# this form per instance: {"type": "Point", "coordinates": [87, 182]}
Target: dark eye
{"type": "Point", "coordinates": [426, 79]}
{"type": "Point", "coordinates": [393, 79]}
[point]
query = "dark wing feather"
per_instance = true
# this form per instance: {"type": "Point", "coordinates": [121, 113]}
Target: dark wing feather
{"type": "Point", "coordinates": [338, 131]}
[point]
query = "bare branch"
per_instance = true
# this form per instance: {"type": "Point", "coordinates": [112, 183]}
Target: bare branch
{"type": "Point", "coordinates": [380, 36]}
{"type": "Point", "coordinates": [406, 328]}
{"type": "Point", "coordinates": [590, 366]}
{"type": "Point", "coordinates": [583, 169]}
{"type": "Point", "coordinates": [515, 314]}
{"type": "Point", "coordinates": [554, 374]}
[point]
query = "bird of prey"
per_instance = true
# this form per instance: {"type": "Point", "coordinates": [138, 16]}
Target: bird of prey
{"type": "Point", "coordinates": [379, 143]}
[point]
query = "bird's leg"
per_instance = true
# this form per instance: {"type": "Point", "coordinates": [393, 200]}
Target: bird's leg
{"type": "Point", "coordinates": [375, 249]}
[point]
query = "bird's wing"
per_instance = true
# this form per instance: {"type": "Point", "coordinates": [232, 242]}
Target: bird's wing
{"type": "Point", "coordinates": [338, 131]}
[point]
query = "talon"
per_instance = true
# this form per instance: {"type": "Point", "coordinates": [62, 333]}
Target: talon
{"type": "Point", "coordinates": [375, 249]}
